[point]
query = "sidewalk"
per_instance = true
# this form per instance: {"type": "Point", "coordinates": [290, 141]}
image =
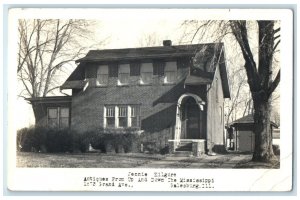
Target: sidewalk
{"type": "Point", "coordinates": [218, 161]}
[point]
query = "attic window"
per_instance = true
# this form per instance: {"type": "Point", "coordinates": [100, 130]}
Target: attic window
{"type": "Point", "coordinates": [170, 72]}
{"type": "Point", "coordinates": [102, 75]}
{"type": "Point", "coordinates": [124, 72]}
{"type": "Point", "coordinates": [146, 73]}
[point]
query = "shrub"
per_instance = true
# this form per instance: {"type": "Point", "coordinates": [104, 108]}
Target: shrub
{"type": "Point", "coordinates": [59, 140]}
{"type": "Point", "coordinates": [115, 140]}
{"type": "Point", "coordinates": [80, 142]}
{"type": "Point", "coordinates": [42, 139]}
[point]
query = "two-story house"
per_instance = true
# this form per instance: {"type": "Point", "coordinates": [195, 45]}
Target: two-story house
{"type": "Point", "coordinates": [176, 88]}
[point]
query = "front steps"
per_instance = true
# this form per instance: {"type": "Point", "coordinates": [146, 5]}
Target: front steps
{"type": "Point", "coordinates": [184, 149]}
{"type": "Point", "coordinates": [187, 147]}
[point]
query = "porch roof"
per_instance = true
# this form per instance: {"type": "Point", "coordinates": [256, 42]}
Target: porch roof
{"type": "Point", "coordinates": [50, 99]}
{"type": "Point", "coordinates": [197, 80]}
{"type": "Point", "coordinates": [77, 84]}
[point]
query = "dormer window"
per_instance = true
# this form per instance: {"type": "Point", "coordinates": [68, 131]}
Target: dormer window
{"type": "Point", "coordinates": [170, 72]}
{"type": "Point", "coordinates": [146, 73]}
{"type": "Point", "coordinates": [102, 75]}
{"type": "Point", "coordinates": [124, 73]}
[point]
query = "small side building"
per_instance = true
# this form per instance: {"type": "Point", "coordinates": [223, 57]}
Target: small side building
{"type": "Point", "coordinates": [240, 134]}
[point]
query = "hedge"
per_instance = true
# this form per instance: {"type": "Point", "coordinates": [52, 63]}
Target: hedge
{"type": "Point", "coordinates": [40, 139]}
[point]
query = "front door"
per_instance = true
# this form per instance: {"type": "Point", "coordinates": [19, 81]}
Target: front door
{"type": "Point", "coordinates": [191, 120]}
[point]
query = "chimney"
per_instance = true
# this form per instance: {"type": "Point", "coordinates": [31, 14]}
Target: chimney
{"type": "Point", "coordinates": [167, 43]}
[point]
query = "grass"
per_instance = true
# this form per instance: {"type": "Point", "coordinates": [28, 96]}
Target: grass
{"type": "Point", "coordinates": [132, 160]}
{"type": "Point", "coordinates": [83, 160]}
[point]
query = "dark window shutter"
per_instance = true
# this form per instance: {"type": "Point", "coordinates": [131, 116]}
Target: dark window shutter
{"type": "Point", "coordinates": [159, 68]}
{"type": "Point", "coordinates": [113, 70]}
{"type": "Point", "coordinates": [135, 69]}
{"type": "Point", "coordinates": [91, 72]}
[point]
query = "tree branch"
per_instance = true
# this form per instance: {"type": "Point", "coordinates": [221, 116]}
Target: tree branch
{"type": "Point", "coordinates": [274, 84]}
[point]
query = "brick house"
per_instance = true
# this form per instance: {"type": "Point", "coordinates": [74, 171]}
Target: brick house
{"type": "Point", "coordinates": [173, 94]}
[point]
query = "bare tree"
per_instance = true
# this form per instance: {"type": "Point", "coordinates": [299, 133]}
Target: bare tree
{"type": "Point", "coordinates": [46, 48]}
{"type": "Point", "coordinates": [258, 42]}
{"type": "Point", "coordinates": [150, 39]}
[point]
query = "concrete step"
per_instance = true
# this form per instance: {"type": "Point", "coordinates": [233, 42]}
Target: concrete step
{"type": "Point", "coordinates": [184, 147]}
{"type": "Point", "coordinates": [183, 153]}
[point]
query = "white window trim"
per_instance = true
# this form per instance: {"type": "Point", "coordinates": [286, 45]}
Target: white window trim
{"type": "Point", "coordinates": [106, 74]}
{"type": "Point", "coordinates": [148, 70]}
{"type": "Point", "coordinates": [169, 69]}
{"type": "Point", "coordinates": [119, 82]}
{"type": "Point", "coordinates": [116, 109]}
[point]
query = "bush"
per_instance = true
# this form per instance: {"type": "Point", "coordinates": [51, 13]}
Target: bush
{"type": "Point", "coordinates": [40, 139]}
{"type": "Point", "coordinates": [80, 142]}
{"type": "Point", "coordinates": [115, 140]}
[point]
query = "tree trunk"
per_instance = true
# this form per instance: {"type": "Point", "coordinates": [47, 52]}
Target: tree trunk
{"type": "Point", "coordinates": [263, 137]}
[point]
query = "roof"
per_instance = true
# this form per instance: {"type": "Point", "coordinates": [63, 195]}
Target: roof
{"type": "Point", "coordinates": [196, 80]}
{"type": "Point", "coordinates": [78, 84]}
{"type": "Point", "coordinates": [208, 51]}
{"type": "Point", "coordinates": [248, 119]}
{"type": "Point", "coordinates": [147, 52]}
{"type": "Point", "coordinates": [50, 99]}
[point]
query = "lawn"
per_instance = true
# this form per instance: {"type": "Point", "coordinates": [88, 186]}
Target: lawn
{"type": "Point", "coordinates": [137, 160]}
{"type": "Point", "coordinates": [83, 160]}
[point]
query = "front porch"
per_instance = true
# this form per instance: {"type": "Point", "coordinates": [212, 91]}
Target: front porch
{"type": "Point", "coordinates": [190, 129]}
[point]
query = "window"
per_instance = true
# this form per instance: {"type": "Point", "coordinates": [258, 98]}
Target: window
{"type": "Point", "coordinates": [170, 72]}
{"type": "Point", "coordinates": [135, 113]}
{"type": "Point", "coordinates": [110, 116]}
{"type": "Point", "coordinates": [52, 118]}
{"type": "Point", "coordinates": [58, 117]}
{"type": "Point", "coordinates": [64, 118]}
{"type": "Point", "coordinates": [124, 72]}
{"type": "Point", "coordinates": [146, 73]}
{"type": "Point", "coordinates": [102, 75]}
{"type": "Point", "coordinates": [123, 116]}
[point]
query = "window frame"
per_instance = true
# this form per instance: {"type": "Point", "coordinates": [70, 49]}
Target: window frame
{"type": "Point", "coordinates": [146, 70]}
{"type": "Point", "coordinates": [124, 116]}
{"type": "Point", "coordinates": [111, 116]}
{"type": "Point", "coordinates": [127, 66]}
{"type": "Point", "coordinates": [118, 115]}
{"type": "Point", "coordinates": [100, 74]}
{"type": "Point", "coordinates": [169, 69]}
{"type": "Point", "coordinates": [59, 117]}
